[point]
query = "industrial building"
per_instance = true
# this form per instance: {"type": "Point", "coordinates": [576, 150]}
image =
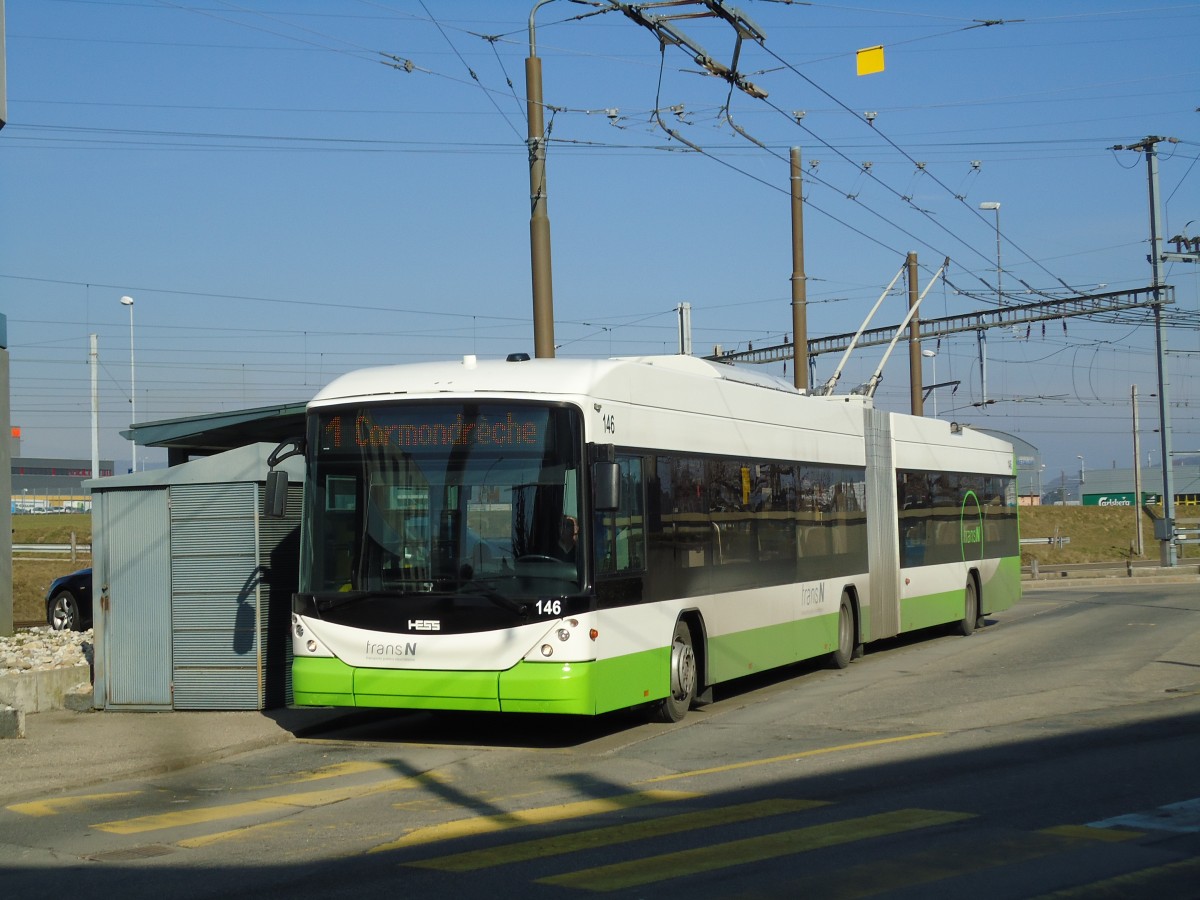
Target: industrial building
{"type": "Point", "coordinates": [1115, 487]}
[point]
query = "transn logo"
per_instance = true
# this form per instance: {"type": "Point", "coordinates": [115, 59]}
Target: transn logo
{"type": "Point", "coordinates": [424, 625]}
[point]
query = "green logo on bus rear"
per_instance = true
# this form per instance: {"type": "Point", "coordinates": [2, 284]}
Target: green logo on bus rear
{"type": "Point", "coordinates": [971, 527]}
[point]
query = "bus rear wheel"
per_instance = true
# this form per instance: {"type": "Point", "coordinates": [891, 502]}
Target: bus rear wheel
{"type": "Point", "coordinates": [684, 675]}
{"type": "Point", "coordinates": [970, 618]}
{"type": "Point", "coordinates": [840, 658]}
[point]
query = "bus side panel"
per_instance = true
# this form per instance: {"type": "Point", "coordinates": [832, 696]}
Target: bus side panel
{"type": "Point", "coordinates": [932, 609]}
{"type": "Point", "coordinates": [744, 652]}
{"type": "Point", "coordinates": [937, 594]}
{"type": "Point", "coordinates": [1002, 588]}
{"type": "Point", "coordinates": [758, 649]}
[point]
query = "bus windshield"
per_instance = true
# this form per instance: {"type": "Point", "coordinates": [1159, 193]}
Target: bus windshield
{"type": "Point", "coordinates": [415, 500]}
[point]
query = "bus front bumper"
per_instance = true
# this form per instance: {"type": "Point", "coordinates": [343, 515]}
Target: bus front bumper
{"type": "Point", "coordinates": [527, 687]}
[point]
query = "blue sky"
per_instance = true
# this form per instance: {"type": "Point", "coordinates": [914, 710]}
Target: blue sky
{"type": "Point", "coordinates": [286, 201]}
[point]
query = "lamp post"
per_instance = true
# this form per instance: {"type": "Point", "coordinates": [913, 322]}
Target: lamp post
{"type": "Point", "coordinates": [128, 301]}
{"type": "Point", "coordinates": [981, 334]}
{"type": "Point", "coordinates": [1082, 477]}
{"type": "Point", "coordinates": [995, 207]}
{"type": "Point", "coordinates": [931, 355]}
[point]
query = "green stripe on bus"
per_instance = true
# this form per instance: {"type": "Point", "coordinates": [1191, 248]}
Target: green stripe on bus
{"type": "Point", "coordinates": [759, 649]}
{"type": "Point", "coordinates": [1003, 589]}
{"type": "Point", "coordinates": [932, 609]}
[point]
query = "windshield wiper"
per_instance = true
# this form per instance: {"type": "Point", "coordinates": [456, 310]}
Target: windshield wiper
{"type": "Point", "coordinates": [483, 589]}
{"type": "Point", "coordinates": [326, 602]}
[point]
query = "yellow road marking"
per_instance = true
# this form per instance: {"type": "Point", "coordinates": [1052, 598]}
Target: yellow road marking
{"type": "Point", "coordinates": [756, 849]}
{"type": "Point", "coordinates": [61, 804]}
{"type": "Point", "coordinates": [794, 756]}
{"type": "Point", "coordinates": [613, 834]}
{"type": "Point", "coordinates": [1160, 881]}
{"type": "Point", "coordinates": [501, 821]}
{"type": "Point", "coordinates": [206, 840]}
{"type": "Point", "coordinates": [255, 807]}
{"type": "Point", "coordinates": [1088, 833]}
{"type": "Point", "coordinates": [337, 770]}
{"type": "Point", "coordinates": [943, 861]}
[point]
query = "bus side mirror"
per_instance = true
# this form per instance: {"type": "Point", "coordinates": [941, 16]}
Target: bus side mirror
{"type": "Point", "coordinates": [606, 482]}
{"type": "Point", "coordinates": [275, 495]}
{"type": "Point", "coordinates": [288, 448]}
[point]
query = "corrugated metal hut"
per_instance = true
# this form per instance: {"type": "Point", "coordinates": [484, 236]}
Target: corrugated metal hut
{"type": "Point", "coordinates": [193, 585]}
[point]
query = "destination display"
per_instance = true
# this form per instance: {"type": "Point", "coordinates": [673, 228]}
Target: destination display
{"type": "Point", "coordinates": [416, 427]}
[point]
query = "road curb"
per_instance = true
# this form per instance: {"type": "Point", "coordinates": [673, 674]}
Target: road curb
{"type": "Point", "coordinates": [1115, 578]}
{"type": "Point", "coordinates": [46, 689]}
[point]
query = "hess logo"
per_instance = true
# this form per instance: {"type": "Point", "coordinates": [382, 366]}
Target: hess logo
{"type": "Point", "coordinates": [424, 625]}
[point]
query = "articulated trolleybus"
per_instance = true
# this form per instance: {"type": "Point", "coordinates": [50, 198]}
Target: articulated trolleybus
{"type": "Point", "coordinates": [580, 536]}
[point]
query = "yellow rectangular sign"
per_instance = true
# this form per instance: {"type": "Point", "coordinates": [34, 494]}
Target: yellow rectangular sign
{"type": "Point", "coordinates": [870, 60]}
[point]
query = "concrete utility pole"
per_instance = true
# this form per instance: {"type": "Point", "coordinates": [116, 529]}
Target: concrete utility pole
{"type": "Point", "coordinates": [94, 365]}
{"type": "Point", "coordinates": [539, 219]}
{"type": "Point", "coordinates": [3, 77]}
{"type": "Point", "coordinates": [1140, 547]}
{"type": "Point", "coordinates": [916, 389]}
{"type": "Point", "coordinates": [799, 279]}
{"type": "Point", "coordinates": [6, 582]}
{"type": "Point", "coordinates": [1164, 529]}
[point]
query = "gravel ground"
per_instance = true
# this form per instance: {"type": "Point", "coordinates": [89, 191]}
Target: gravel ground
{"type": "Point", "coordinates": [44, 648]}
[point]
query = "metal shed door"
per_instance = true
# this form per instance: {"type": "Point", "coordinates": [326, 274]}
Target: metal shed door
{"type": "Point", "coordinates": [137, 621]}
{"type": "Point", "coordinates": [215, 590]}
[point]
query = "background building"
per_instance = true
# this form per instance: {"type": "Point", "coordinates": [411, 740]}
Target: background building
{"type": "Point", "coordinates": [1029, 467]}
{"type": "Point", "coordinates": [52, 484]}
{"type": "Point", "coordinates": [1114, 487]}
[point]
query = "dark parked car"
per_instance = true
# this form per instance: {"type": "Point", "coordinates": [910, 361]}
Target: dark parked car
{"type": "Point", "coordinates": [69, 601]}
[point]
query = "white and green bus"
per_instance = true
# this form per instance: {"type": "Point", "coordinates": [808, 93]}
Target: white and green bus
{"type": "Point", "coordinates": [580, 536]}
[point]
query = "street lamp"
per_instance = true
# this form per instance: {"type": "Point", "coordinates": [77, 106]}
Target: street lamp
{"type": "Point", "coordinates": [995, 207]}
{"type": "Point", "coordinates": [932, 355]}
{"type": "Point", "coordinates": [128, 301]}
{"type": "Point", "coordinates": [1082, 477]}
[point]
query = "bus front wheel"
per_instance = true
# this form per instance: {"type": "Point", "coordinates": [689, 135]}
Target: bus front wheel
{"type": "Point", "coordinates": [684, 676]}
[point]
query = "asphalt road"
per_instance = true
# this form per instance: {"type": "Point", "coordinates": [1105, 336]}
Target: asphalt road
{"type": "Point", "coordinates": [1054, 753]}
